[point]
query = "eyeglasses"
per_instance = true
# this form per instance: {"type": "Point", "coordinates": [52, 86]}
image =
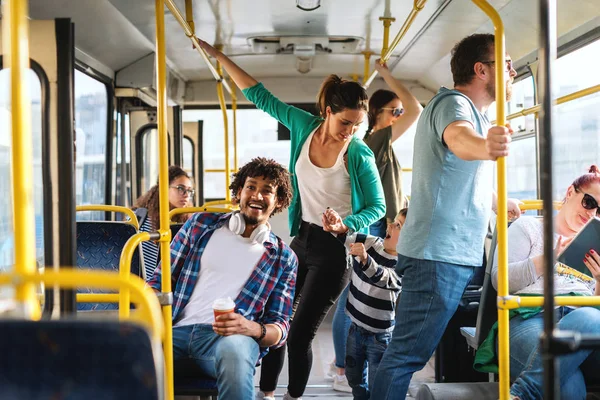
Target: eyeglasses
{"type": "Point", "coordinates": [588, 202]}
{"type": "Point", "coordinates": [183, 190]}
{"type": "Point", "coordinates": [396, 112]}
{"type": "Point", "coordinates": [509, 63]}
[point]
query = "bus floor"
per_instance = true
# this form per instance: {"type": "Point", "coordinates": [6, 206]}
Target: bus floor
{"type": "Point", "coordinates": [320, 388]}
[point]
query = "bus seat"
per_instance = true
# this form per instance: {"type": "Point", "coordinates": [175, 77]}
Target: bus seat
{"type": "Point", "coordinates": [487, 314]}
{"type": "Point", "coordinates": [73, 359]}
{"type": "Point", "coordinates": [99, 247]}
{"type": "Point", "coordinates": [190, 381]}
{"type": "Point", "coordinates": [458, 391]}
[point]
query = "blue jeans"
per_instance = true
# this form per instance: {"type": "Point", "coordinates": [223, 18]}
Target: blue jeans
{"type": "Point", "coordinates": [229, 359]}
{"type": "Point", "coordinates": [526, 359]}
{"type": "Point", "coordinates": [363, 355]}
{"type": "Point", "coordinates": [339, 328]}
{"type": "Point", "coordinates": [431, 291]}
{"type": "Point", "coordinates": [378, 228]}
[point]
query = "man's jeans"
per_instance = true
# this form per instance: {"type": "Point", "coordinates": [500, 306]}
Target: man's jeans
{"type": "Point", "coordinates": [229, 359]}
{"type": "Point", "coordinates": [526, 359]}
{"type": "Point", "coordinates": [431, 291]}
{"type": "Point", "coordinates": [363, 355]}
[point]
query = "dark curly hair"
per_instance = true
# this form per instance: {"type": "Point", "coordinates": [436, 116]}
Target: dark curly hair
{"type": "Point", "coordinates": [149, 200]}
{"type": "Point", "coordinates": [268, 169]}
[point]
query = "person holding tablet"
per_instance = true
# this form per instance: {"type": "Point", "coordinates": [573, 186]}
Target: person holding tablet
{"type": "Point", "coordinates": [525, 277]}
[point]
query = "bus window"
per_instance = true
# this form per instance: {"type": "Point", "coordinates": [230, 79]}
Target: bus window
{"type": "Point", "coordinates": [6, 223]}
{"type": "Point", "coordinates": [256, 136]}
{"type": "Point", "coordinates": [188, 157]}
{"type": "Point", "coordinates": [576, 138]}
{"type": "Point", "coordinates": [91, 108]}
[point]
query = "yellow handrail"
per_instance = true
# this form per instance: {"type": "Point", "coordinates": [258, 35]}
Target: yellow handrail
{"type": "Point", "coordinates": [222, 170]}
{"type": "Point", "coordinates": [16, 52]}
{"type": "Point", "coordinates": [387, 22]}
{"type": "Point", "coordinates": [234, 112]}
{"type": "Point", "coordinates": [147, 313]}
{"type": "Point", "coordinates": [502, 219]}
{"type": "Point", "coordinates": [512, 302]}
{"type": "Point", "coordinates": [561, 100]}
{"type": "Point", "coordinates": [97, 297]}
{"type": "Point", "coordinates": [163, 187]}
{"type": "Point", "coordinates": [228, 207]}
{"type": "Point", "coordinates": [417, 7]}
{"type": "Point", "coordinates": [538, 205]}
{"type": "Point", "coordinates": [125, 269]}
{"type": "Point", "coordinates": [221, 96]}
{"type": "Point", "coordinates": [190, 33]}
{"type": "Point", "coordinates": [108, 208]}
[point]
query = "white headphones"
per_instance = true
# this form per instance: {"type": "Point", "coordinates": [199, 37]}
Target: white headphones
{"type": "Point", "coordinates": [237, 225]}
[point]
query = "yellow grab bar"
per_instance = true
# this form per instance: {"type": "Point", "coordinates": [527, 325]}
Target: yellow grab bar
{"type": "Point", "coordinates": [16, 29]}
{"type": "Point", "coordinates": [163, 187]}
{"type": "Point", "coordinates": [502, 219]}
{"type": "Point", "coordinates": [97, 297]}
{"type": "Point", "coordinates": [221, 96]}
{"type": "Point", "coordinates": [222, 170]}
{"type": "Point", "coordinates": [125, 269]}
{"type": "Point", "coordinates": [561, 100]}
{"type": "Point", "coordinates": [538, 205]}
{"type": "Point", "coordinates": [148, 307]}
{"type": "Point", "coordinates": [107, 208]}
{"type": "Point", "coordinates": [234, 112]}
{"type": "Point", "coordinates": [417, 7]}
{"type": "Point", "coordinates": [511, 302]}
{"type": "Point", "coordinates": [190, 33]}
{"type": "Point", "coordinates": [227, 207]}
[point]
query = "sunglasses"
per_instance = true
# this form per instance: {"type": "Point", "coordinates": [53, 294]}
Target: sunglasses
{"type": "Point", "coordinates": [509, 63]}
{"type": "Point", "coordinates": [183, 190]}
{"type": "Point", "coordinates": [588, 202]}
{"type": "Point", "coordinates": [396, 112]}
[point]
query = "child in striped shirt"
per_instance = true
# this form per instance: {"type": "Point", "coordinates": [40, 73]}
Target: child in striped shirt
{"type": "Point", "coordinates": [374, 289]}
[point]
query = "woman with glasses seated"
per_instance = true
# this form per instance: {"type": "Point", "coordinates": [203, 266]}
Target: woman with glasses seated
{"type": "Point", "coordinates": [526, 277]}
{"type": "Point", "coordinates": [181, 194]}
{"type": "Point", "coordinates": [391, 114]}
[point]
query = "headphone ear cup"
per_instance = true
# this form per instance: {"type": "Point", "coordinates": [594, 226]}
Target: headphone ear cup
{"type": "Point", "coordinates": [260, 234]}
{"type": "Point", "coordinates": [237, 224]}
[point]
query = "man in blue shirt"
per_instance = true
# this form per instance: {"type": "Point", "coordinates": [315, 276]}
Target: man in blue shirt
{"type": "Point", "coordinates": [452, 196]}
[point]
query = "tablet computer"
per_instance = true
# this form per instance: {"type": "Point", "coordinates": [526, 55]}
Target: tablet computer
{"type": "Point", "coordinates": [588, 238]}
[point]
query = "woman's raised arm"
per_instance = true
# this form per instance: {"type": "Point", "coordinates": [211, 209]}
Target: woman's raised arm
{"type": "Point", "coordinates": [239, 76]}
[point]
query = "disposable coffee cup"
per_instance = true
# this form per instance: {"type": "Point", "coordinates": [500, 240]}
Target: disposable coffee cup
{"type": "Point", "coordinates": [223, 306]}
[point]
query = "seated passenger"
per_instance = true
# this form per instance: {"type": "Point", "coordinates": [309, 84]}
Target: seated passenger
{"type": "Point", "coordinates": [374, 288]}
{"type": "Point", "coordinates": [525, 277]}
{"type": "Point", "coordinates": [234, 255]}
{"type": "Point", "coordinates": [181, 194]}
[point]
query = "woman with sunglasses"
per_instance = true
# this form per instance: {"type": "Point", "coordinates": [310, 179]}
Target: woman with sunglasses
{"type": "Point", "coordinates": [525, 277]}
{"type": "Point", "coordinates": [181, 195]}
{"type": "Point", "coordinates": [391, 114]}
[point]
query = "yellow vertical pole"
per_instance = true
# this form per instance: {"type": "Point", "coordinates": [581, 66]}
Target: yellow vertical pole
{"type": "Point", "coordinates": [221, 95]}
{"type": "Point", "coordinates": [367, 55]}
{"type": "Point", "coordinates": [163, 188]}
{"type": "Point", "coordinates": [189, 15]}
{"type": "Point", "coordinates": [16, 45]}
{"type": "Point", "coordinates": [387, 22]}
{"type": "Point", "coordinates": [234, 109]}
{"type": "Point", "coordinates": [502, 220]}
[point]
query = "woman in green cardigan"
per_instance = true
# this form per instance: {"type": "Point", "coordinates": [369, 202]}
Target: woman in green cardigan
{"type": "Point", "coordinates": [330, 167]}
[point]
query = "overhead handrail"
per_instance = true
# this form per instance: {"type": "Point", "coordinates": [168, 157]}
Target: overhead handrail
{"type": "Point", "coordinates": [191, 34]}
{"type": "Point", "coordinates": [164, 230]}
{"type": "Point", "coordinates": [223, 106]}
{"type": "Point", "coordinates": [234, 112]}
{"type": "Point", "coordinates": [502, 218]}
{"type": "Point", "coordinates": [108, 208]}
{"type": "Point", "coordinates": [561, 100]}
{"type": "Point", "coordinates": [16, 29]}
{"type": "Point", "coordinates": [417, 7]}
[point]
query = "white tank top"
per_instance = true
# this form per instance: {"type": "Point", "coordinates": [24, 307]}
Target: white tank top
{"type": "Point", "coordinates": [322, 187]}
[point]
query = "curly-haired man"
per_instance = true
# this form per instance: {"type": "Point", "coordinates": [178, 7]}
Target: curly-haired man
{"type": "Point", "coordinates": [214, 256]}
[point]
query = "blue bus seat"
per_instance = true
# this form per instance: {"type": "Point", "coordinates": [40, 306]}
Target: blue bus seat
{"type": "Point", "coordinates": [190, 381]}
{"type": "Point", "coordinates": [99, 247]}
{"type": "Point", "coordinates": [74, 359]}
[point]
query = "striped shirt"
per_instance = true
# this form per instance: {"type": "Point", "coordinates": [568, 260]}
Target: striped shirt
{"type": "Point", "coordinates": [374, 286]}
{"type": "Point", "coordinates": [268, 294]}
{"type": "Point", "coordinates": [149, 249]}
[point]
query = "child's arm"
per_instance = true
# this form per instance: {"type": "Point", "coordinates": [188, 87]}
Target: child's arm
{"type": "Point", "coordinates": [379, 269]}
{"type": "Point", "coordinates": [332, 222]}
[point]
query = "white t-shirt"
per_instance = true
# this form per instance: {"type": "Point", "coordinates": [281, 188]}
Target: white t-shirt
{"type": "Point", "coordinates": [323, 187]}
{"type": "Point", "coordinates": [227, 262]}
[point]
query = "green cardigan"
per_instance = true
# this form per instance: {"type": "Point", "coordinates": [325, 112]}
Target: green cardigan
{"type": "Point", "coordinates": [368, 203]}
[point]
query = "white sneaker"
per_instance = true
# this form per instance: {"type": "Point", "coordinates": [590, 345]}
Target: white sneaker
{"type": "Point", "coordinates": [331, 371]}
{"type": "Point", "coordinates": [287, 396]}
{"type": "Point", "coordinates": [340, 384]}
{"type": "Point", "coordinates": [261, 396]}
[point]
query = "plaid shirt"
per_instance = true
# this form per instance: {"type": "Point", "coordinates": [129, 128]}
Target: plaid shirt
{"type": "Point", "coordinates": [268, 293]}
